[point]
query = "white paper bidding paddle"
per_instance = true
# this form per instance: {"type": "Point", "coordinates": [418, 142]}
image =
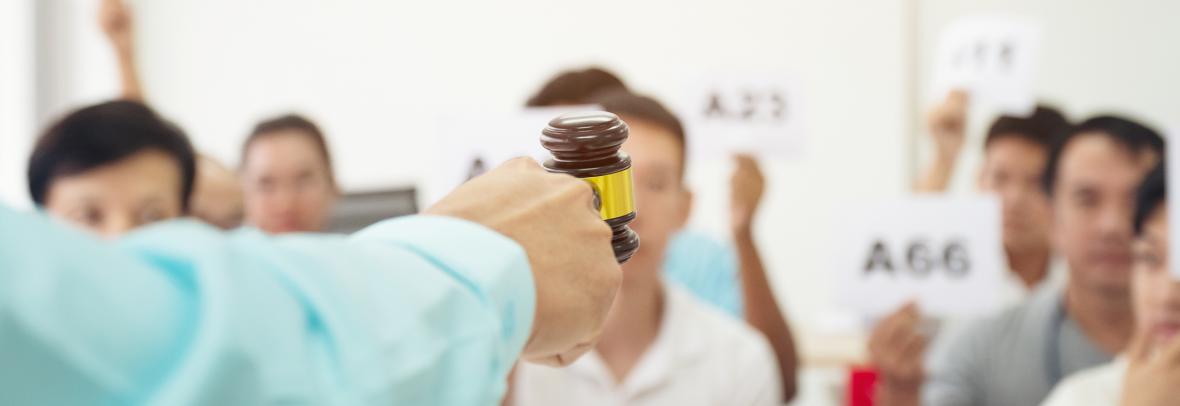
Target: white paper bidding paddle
{"type": "Point", "coordinates": [469, 144]}
{"type": "Point", "coordinates": [1173, 184]}
{"type": "Point", "coordinates": [993, 58]}
{"type": "Point", "coordinates": [943, 252]}
{"type": "Point", "coordinates": [756, 113]}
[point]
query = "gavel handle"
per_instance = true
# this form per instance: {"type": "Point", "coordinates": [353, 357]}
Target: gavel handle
{"type": "Point", "coordinates": [623, 240]}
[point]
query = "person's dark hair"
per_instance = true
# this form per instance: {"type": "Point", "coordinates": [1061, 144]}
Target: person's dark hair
{"type": "Point", "coordinates": [103, 134]}
{"type": "Point", "coordinates": [629, 105]}
{"type": "Point", "coordinates": [1039, 128]}
{"type": "Point", "coordinates": [575, 86]}
{"type": "Point", "coordinates": [1136, 138]}
{"type": "Point", "coordinates": [1152, 193]}
{"type": "Point", "coordinates": [295, 123]}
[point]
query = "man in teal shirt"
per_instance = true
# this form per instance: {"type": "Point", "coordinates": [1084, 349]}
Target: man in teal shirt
{"type": "Point", "coordinates": [425, 310]}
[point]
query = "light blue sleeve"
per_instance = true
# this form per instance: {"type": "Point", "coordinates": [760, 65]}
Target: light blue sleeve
{"type": "Point", "coordinates": [705, 267]}
{"type": "Point", "coordinates": [413, 311]}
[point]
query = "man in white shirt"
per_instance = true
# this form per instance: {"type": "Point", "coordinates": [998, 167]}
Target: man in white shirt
{"type": "Point", "coordinates": [1150, 368]}
{"type": "Point", "coordinates": [660, 345]}
{"type": "Point", "coordinates": [699, 357]}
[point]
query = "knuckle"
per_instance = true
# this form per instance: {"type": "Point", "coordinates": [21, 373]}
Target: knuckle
{"type": "Point", "coordinates": [601, 230]}
{"type": "Point", "coordinates": [525, 163]}
{"type": "Point", "coordinates": [577, 190]}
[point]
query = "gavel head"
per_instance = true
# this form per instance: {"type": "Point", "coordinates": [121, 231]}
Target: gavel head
{"type": "Point", "coordinates": [586, 145]}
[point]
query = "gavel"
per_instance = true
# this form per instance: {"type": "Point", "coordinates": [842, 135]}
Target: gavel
{"type": "Point", "coordinates": [586, 145]}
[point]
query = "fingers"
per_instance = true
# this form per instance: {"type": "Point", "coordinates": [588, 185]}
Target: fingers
{"type": "Point", "coordinates": [581, 193]}
{"type": "Point", "coordinates": [903, 364]}
{"type": "Point", "coordinates": [957, 98]}
{"type": "Point", "coordinates": [746, 168]}
{"type": "Point", "coordinates": [910, 308]}
{"type": "Point", "coordinates": [524, 163]}
{"type": "Point", "coordinates": [886, 329]}
{"type": "Point", "coordinates": [947, 119]}
{"type": "Point", "coordinates": [912, 352]}
{"type": "Point", "coordinates": [746, 188]}
{"type": "Point", "coordinates": [745, 162]}
{"type": "Point", "coordinates": [518, 169]}
{"type": "Point", "coordinates": [113, 14]}
{"type": "Point", "coordinates": [899, 349]}
{"type": "Point", "coordinates": [105, 10]}
{"type": "Point", "coordinates": [904, 324]}
{"type": "Point", "coordinates": [571, 188]}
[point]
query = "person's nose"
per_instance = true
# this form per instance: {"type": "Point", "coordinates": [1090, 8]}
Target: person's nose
{"type": "Point", "coordinates": [1114, 222]}
{"type": "Point", "coordinates": [284, 199]}
{"type": "Point", "coordinates": [116, 226]}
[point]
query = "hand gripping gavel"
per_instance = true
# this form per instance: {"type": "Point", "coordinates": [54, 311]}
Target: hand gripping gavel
{"type": "Point", "coordinates": [586, 145]}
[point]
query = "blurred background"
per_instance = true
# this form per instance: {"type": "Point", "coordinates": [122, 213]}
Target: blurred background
{"type": "Point", "coordinates": [376, 75]}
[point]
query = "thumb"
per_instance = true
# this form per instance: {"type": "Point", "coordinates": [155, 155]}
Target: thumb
{"type": "Point", "coordinates": [911, 307]}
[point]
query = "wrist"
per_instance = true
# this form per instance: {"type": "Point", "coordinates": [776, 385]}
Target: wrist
{"type": "Point", "coordinates": [743, 232]}
{"type": "Point", "coordinates": [124, 47]}
{"type": "Point", "coordinates": [887, 395]}
{"type": "Point", "coordinates": [945, 159]}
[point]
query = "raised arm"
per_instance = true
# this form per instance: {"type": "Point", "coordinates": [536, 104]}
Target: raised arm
{"type": "Point", "coordinates": [761, 308]}
{"type": "Point", "coordinates": [117, 23]}
{"type": "Point", "coordinates": [947, 123]}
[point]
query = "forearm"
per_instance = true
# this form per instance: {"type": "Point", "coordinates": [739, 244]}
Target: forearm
{"type": "Point", "coordinates": [762, 310]}
{"type": "Point", "coordinates": [129, 81]}
{"type": "Point", "coordinates": [182, 304]}
{"type": "Point", "coordinates": [936, 177]}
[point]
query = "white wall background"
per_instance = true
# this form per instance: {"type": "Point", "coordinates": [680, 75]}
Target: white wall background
{"type": "Point", "coordinates": [16, 98]}
{"type": "Point", "coordinates": [53, 58]}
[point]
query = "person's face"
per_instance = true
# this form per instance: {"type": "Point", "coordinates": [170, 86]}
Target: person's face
{"type": "Point", "coordinates": [1012, 168]}
{"type": "Point", "coordinates": [1092, 209]}
{"type": "Point", "coordinates": [286, 184]}
{"type": "Point", "coordinates": [1156, 292]}
{"type": "Point", "coordinates": [113, 199]}
{"type": "Point", "coordinates": [662, 201]}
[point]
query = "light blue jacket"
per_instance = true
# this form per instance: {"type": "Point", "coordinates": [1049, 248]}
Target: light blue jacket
{"type": "Point", "coordinates": [707, 268]}
{"type": "Point", "coordinates": [412, 311]}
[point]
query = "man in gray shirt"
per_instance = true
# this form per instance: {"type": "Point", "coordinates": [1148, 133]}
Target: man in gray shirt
{"type": "Point", "coordinates": [1012, 359]}
{"type": "Point", "coordinates": [1015, 358]}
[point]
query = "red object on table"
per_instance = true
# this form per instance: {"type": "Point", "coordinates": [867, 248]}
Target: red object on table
{"type": "Point", "coordinates": [862, 380]}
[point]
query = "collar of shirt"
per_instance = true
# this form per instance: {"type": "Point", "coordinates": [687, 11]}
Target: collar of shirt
{"type": "Point", "coordinates": [675, 346]}
{"type": "Point", "coordinates": [1101, 385]}
{"type": "Point", "coordinates": [1015, 291]}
